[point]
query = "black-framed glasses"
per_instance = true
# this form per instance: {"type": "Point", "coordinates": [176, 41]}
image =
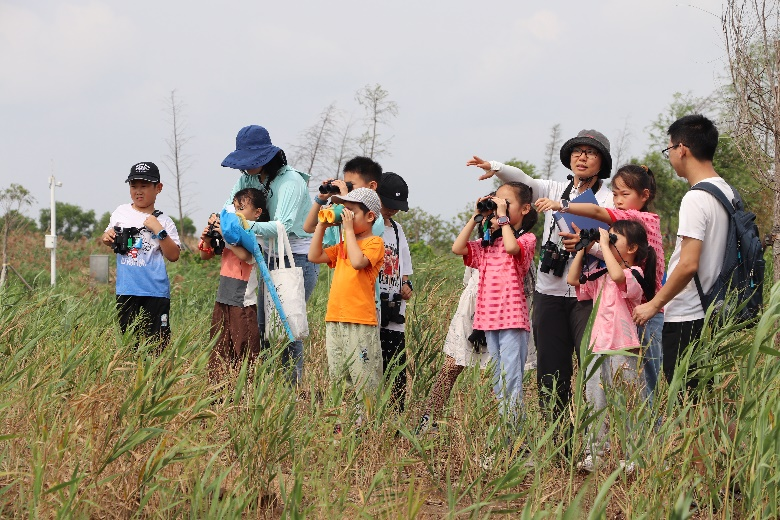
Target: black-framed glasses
{"type": "Point", "coordinates": [590, 153]}
{"type": "Point", "coordinates": [665, 151]}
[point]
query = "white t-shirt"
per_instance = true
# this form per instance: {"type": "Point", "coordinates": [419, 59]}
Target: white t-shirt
{"type": "Point", "coordinates": [704, 218]}
{"type": "Point", "coordinates": [142, 272]}
{"type": "Point", "coordinates": [398, 263]}
{"type": "Point", "coordinates": [548, 283]}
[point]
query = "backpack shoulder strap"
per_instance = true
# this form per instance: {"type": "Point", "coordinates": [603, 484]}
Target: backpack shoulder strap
{"type": "Point", "coordinates": [731, 206]}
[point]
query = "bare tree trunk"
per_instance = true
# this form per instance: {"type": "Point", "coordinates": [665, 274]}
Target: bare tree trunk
{"type": "Point", "coordinates": [776, 176]}
{"type": "Point", "coordinates": [343, 147]}
{"type": "Point", "coordinates": [550, 156]}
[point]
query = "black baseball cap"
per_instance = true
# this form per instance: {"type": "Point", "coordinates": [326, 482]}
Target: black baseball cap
{"type": "Point", "coordinates": [393, 191]}
{"type": "Point", "coordinates": [145, 171]}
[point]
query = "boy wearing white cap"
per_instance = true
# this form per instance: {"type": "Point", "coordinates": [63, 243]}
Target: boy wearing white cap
{"type": "Point", "coordinates": [351, 334]}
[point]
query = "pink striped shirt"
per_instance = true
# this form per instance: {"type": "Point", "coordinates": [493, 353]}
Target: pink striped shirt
{"type": "Point", "coordinates": [501, 302]}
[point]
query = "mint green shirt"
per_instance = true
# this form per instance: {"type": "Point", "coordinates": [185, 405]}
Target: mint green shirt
{"type": "Point", "coordinates": [288, 202]}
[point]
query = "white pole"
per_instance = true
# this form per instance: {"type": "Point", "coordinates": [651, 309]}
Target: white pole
{"type": "Point", "coordinates": [52, 184]}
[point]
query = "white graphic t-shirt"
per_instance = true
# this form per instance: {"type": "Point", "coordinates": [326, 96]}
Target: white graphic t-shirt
{"type": "Point", "coordinates": [398, 263]}
{"type": "Point", "coordinates": [141, 272]}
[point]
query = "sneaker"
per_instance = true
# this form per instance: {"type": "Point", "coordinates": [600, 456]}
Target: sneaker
{"type": "Point", "coordinates": [487, 461]}
{"type": "Point", "coordinates": [589, 463]}
{"type": "Point", "coordinates": [426, 425]}
{"type": "Point", "coordinates": [628, 468]}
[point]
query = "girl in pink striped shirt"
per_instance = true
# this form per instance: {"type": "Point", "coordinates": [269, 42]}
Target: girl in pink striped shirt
{"type": "Point", "coordinates": [503, 258]}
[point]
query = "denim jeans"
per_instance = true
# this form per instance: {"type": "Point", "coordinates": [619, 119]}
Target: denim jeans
{"type": "Point", "coordinates": [508, 350]}
{"type": "Point", "coordinates": [650, 335]}
{"type": "Point", "coordinates": [293, 354]}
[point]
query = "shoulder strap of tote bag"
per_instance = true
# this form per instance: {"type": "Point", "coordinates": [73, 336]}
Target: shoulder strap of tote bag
{"type": "Point", "coordinates": [283, 245]}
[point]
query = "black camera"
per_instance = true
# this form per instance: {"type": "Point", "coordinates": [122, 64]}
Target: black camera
{"type": "Point", "coordinates": [477, 339]}
{"type": "Point", "coordinates": [215, 239]}
{"type": "Point", "coordinates": [124, 239]}
{"type": "Point", "coordinates": [592, 236]}
{"type": "Point", "coordinates": [331, 188]}
{"type": "Point", "coordinates": [391, 309]}
{"type": "Point", "coordinates": [553, 259]}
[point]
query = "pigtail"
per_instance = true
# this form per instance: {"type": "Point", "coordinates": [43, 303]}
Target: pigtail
{"type": "Point", "coordinates": [649, 281]}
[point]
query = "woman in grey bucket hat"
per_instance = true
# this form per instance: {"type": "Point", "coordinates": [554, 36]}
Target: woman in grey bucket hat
{"type": "Point", "coordinates": [558, 320]}
{"type": "Point", "coordinates": [264, 166]}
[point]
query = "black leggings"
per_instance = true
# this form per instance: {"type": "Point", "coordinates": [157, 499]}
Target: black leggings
{"type": "Point", "coordinates": [559, 323]}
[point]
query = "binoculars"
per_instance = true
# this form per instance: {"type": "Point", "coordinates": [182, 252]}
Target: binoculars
{"type": "Point", "coordinates": [553, 259]}
{"type": "Point", "coordinates": [589, 236]}
{"type": "Point", "coordinates": [125, 239]}
{"type": "Point", "coordinates": [391, 309]}
{"type": "Point", "coordinates": [331, 214]}
{"type": "Point", "coordinates": [216, 240]}
{"type": "Point", "coordinates": [489, 204]}
{"type": "Point", "coordinates": [331, 188]}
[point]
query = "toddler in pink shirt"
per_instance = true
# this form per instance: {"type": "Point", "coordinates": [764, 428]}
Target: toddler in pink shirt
{"type": "Point", "coordinates": [617, 289]}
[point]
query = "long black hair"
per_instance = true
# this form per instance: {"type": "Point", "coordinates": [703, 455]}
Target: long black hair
{"type": "Point", "coordinates": [272, 168]}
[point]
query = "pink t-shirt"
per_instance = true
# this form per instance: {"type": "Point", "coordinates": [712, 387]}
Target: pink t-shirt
{"type": "Point", "coordinates": [613, 328]}
{"type": "Point", "coordinates": [652, 224]}
{"type": "Point", "coordinates": [501, 302]}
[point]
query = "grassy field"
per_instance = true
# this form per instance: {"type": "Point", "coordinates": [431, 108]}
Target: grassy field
{"type": "Point", "coordinates": [91, 427]}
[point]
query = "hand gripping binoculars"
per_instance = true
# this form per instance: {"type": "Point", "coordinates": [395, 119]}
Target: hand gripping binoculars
{"type": "Point", "coordinates": [331, 214]}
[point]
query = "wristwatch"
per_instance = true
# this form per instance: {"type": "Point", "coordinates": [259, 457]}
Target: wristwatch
{"type": "Point", "coordinates": [564, 206]}
{"type": "Point", "coordinates": [162, 235]}
{"type": "Point", "coordinates": [503, 221]}
{"type": "Point", "coordinates": [409, 283]}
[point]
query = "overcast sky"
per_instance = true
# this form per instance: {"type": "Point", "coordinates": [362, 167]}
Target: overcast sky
{"type": "Point", "coordinates": [83, 84]}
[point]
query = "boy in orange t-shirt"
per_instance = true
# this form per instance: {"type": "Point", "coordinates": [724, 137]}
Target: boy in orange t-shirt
{"type": "Point", "coordinates": [351, 333]}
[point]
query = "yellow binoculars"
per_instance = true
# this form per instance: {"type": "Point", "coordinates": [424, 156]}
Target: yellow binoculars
{"type": "Point", "coordinates": [331, 214]}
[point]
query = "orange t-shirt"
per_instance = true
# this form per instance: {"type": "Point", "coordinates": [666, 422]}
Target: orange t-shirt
{"type": "Point", "coordinates": [352, 292]}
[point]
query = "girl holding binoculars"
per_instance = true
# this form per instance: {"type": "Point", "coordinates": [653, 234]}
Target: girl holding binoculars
{"type": "Point", "coordinates": [502, 309]}
{"type": "Point", "coordinates": [620, 288]}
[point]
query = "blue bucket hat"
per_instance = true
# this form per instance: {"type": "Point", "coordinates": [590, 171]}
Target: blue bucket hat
{"type": "Point", "coordinates": [253, 149]}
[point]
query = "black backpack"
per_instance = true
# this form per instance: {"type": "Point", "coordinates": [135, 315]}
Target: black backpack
{"type": "Point", "coordinates": [743, 261]}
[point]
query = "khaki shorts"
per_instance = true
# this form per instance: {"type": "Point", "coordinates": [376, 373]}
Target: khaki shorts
{"type": "Point", "coordinates": [354, 353]}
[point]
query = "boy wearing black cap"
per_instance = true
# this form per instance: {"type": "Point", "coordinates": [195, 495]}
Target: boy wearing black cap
{"type": "Point", "coordinates": [142, 236]}
{"type": "Point", "coordinates": [394, 284]}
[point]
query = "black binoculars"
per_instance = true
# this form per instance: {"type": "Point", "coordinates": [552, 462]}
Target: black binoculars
{"type": "Point", "coordinates": [215, 240]}
{"type": "Point", "coordinates": [590, 236]}
{"type": "Point", "coordinates": [391, 309]}
{"type": "Point", "coordinates": [553, 259]}
{"type": "Point", "coordinates": [124, 239]}
{"type": "Point", "coordinates": [489, 204]}
{"type": "Point", "coordinates": [331, 188]}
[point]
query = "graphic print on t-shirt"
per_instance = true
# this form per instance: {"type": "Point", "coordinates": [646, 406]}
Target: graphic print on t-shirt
{"type": "Point", "coordinates": [391, 271]}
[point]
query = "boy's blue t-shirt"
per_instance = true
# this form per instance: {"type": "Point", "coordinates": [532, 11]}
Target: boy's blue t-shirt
{"type": "Point", "coordinates": [142, 271]}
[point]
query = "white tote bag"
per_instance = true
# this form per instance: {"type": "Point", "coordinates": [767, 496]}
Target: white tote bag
{"type": "Point", "coordinates": [289, 286]}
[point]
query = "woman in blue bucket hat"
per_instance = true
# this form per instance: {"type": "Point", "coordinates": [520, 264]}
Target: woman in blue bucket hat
{"type": "Point", "coordinates": [264, 166]}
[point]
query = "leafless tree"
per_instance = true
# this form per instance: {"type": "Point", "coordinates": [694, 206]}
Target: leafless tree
{"type": "Point", "coordinates": [316, 143]}
{"type": "Point", "coordinates": [620, 150]}
{"type": "Point", "coordinates": [379, 110]}
{"type": "Point", "coordinates": [551, 154]}
{"type": "Point", "coordinates": [344, 147]}
{"type": "Point", "coordinates": [752, 37]}
{"type": "Point", "coordinates": [12, 201]}
{"type": "Point", "coordinates": [176, 160]}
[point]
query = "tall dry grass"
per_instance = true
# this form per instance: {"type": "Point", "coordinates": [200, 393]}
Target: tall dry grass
{"type": "Point", "coordinates": [92, 425]}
